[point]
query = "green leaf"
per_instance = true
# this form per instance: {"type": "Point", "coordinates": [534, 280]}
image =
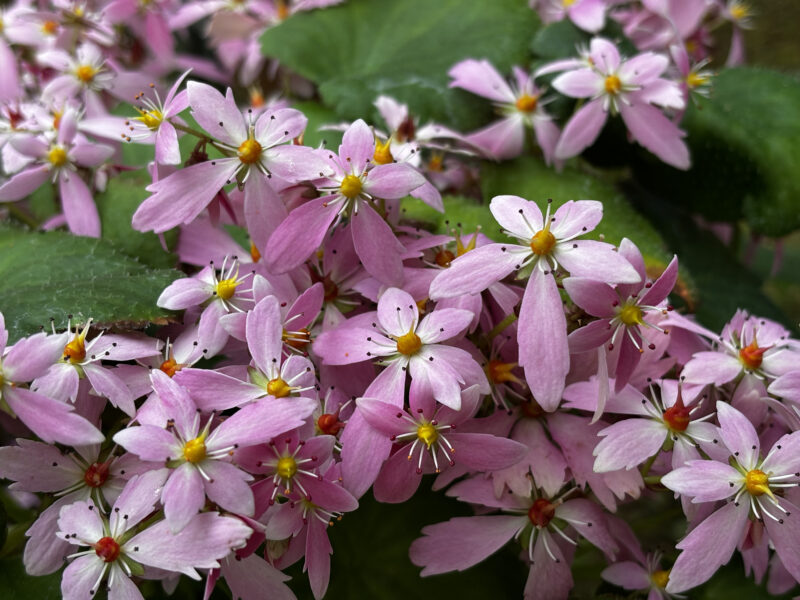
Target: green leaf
{"type": "Point", "coordinates": [319, 115]}
{"type": "Point", "coordinates": [745, 148]}
{"type": "Point", "coordinates": [559, 40]}
{"type": "Point", "coordinates": [44, 275]}
{"type": "Point", "coordinates": [364, 48]}
{"type": "Point", "coordinates": [16, 584]}
{"type": "Point", "coordinates": [116, 207]}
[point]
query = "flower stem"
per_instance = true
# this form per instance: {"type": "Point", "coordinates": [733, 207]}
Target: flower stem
{"type": "Point", "coordinates": [21, 215]}
{"type": "Point", "coordinates": [498, 329]}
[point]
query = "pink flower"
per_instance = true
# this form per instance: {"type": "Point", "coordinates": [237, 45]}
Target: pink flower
{"type": "Point", "coordinates": [59, 161]}
{"type": "Point", "coordinates": [589, 15]}
{"type": "Point", "coordinates": [640, 575]}
{"type": "Point", "coordinates": [350, 195]}
{"type": "Point", "coordinates": [548, 245]}
{"type": "Point", "coordinates": [199, 456]}
{"type": "Point", "coordinates": [254, 151]}
{"type": "Point", "coordinates": [520, 104]}
{"type": "Point", "coordinates": [629, 88]}
{"type": "Point", "coordinates": [206, 539]}
{"type": "Point", "coordinates": [751, 483]}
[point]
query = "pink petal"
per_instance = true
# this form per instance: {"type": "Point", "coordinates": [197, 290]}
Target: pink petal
{"type": "Point", "coordinates": [476, 538]}
{"type": "Point", "coordinates": [81, 521]}
{"type": "Point", "coordinates": [543, 349]}
{"type": "Point", "coordinates": [107, 384]}
{"type": "Point", "coordinates": [10, 90]}
{"type": "Point", "coordinates": [628, 443]}
{"type": "Point", "coordinates": [252, 577]}
{"type": "Point", "coordinates": [553, 577]}
{"type": "Point", "coordinates": [183, 496]}
{"type": "Point", "coordinates": [217, 114]}
{"type": "Point", "coordinates": [207, 538]}
{"type": "Point", "coordinates": [180, 197]}
{"type": "Point", "coordinates": [398, 479]}
{"type": "Point", "coordinates": [377, 246]}
{"type": "Point", "coordinates": [595, 260]}
{"type": "Point", "coordinates": [176, 403]}
{"type": "Point", "coordinates": [318, 558]}
{"type": "Point", "coordinates": [738, 434]}
{"type": "Point", "coordinates": [657, 133]}
{"type": "Point", "coordinates": [476, 270]}
{"type": "Point", "coordinates": [392, 181]}
{"type": "Point", "coordinates": [628, 575]}
{"type": "Point", "coordinates": [259, 422]}
{"type": "Point", "coordinates": [576, 216]}
{"type": "Point", "coordinates": [580, 83]}
{"type": "Point", "coordinates": [596, 298]}
{"type": "Point", "coordinates": [183, 293]}
{"type": "Point", "coordinates": [383, 416]}
{"type": "Point", "coordinates": [138, 499]}
{"type": "Point", "coordinates": [784, 535]}
{"type": "Point", "coordinates": [24, 183]}
{"type": "Point", "coordinates": [51, 420]}
{"type": "Point", "coordinates": [32, 356]}
{"type": "Point", "coordinates": [443, 324]}
{"type": "Point", "coordinates": [430, 377]}
{"type": "Point", "coordinates": [358, 146]}
{"type": "Point", "coordinates": [228, 487]}
{"type": "Point", "coordinates": [77, 582]}
{"type": "Point", "coordinates": [708, 546]}
{"type": "Point", "coordinates": [662, 286]}
{"type": "Point", "coordinates": [519, 216]}
{"type": "Point", "coordinates": [643, 68]}
{"type": "Point", "coordinates": [590, 521]}
{"type": "Point", "coordinates": [37, 467]}
{"type": "Point", "coordinates": [482, 79]}
{"type": "Point", "coordinates": [605, 55]}
{"type": "Point", "coordinates": [704, 480]}
{"type": "Point", "coordinates": [711, 367]}
{"type": "Point", "coordinates": [397, 312]}
{"type": "Point", "coordinates": [485, 452]}
{"type": "Point", "coordinates": [78, 205]}
{"type": "Point", "coordinates": [299, 235]}
{"type": "Point", "coordinates": [296, 163]}
{"type": "Point", "coordinates": [502, 139]}
{"type": "Point", "coordinates": [149, 442]}
{"type": "Point", "coordinates": [363, 452]}
{"type": "Point", "coordinates": [589, 15]}
{"type": "Point", "coordinates": [167, 150]}
{"type": "Point", "coordinates": [264, 331]}
{"type": "Point", "coordinates": [581, 130]}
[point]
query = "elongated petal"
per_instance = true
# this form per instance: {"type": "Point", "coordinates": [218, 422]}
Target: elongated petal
{"type": "Point", "coordinates": [643, 68]}
{"type": "Point", "coordinates": [251, 578]}
{"type": "Point", "coordinates": [543, 348]}
{"type": "Point", "coordinates": [605, 55]}
{"type": "Point", "coordinates": [485, 452]}
{"type": "Point", "coordinates": [398, 479]}
{"type": "Point", "coordinates": [707, 547]}
{"type": "Point", "coordinates": [738, 434]}
{"type": "Point", "coordinates": [180, 197]}
{"type": "Point", "coordinates": [23, 183]}
{"type": "Point", "coordinates": [581, 130]}
{"type": "Point", "coordinates": [589, 520]}
{"type": "Point", "coordinates": [662, 286]}
{"type": "Point", "coordinates": [78, 206]}
{"type": "Point", "coordinates": [318, 558]}
{"type": "Point", "coordinates": [167, 150]}
{"type": "Point", "coordinates": [704, 480]}
{"type": "Point", "coordinates": [79, 578]}
{"type": "Point", "coordinates": [51, 420]}
{"type": "Point", "coordinates": [711, 367]}
{"type": "Point", "coordinates": [183, 293]}
{"type": "Point", "coordinates": [482, 79]}
{"type": "Point", "coordinates": [383, 417]}
{"type": "Point", "coordinates": [476, 270]}
{"type": "Point", "coordinates": [784, 534]}
{"type": "Point", "coordinates": [37, 467]}
{"type": "Point", "coordinates": [363, 451]}
{"type": "Point", "coordinates": [657, 133]}
{"type": "Point", "coordinates": [279, 126]}
{"type": "Point", "coordinates": [628, 443]}
{"type": "Point", "coordinates": [295, 163]}
{"type": "Point", "coordinates": [501, 140]}
{"type": "Point", "coordinates": [81, 521]}
{"type": "Point", "coordinates": [575, 217]}
{"type": "Point", "coordinates": [436, 379]}
{"type": "Point", "coordinates": [628, 575]}
{"type": "Point", "coordinates": [589, 15]}
{"type": "Point", "coordinates": [476, 538]}
{"type": "Point", "coordinates": [206, 539]}
{"type": "Point", "coordinates": [183, 496]}
{"type": "Point", "coordinates": [580, 83]}
{"type": "Point", "coordinates": [217, 114]}
{"type": "Point", "coordinates": [595, 260]}
{"type": "Point", "coordinates": [377, 246]}
{"type": "Point", "coordinates": [138, 499]}
{"type": "Point", "coordinates": [397, 312]}
{"type": "Point", "coordinates": [149, 442]}
{"type": "Point", "coordinates": [107, 384]}
{"type": "Point", "coordinates": [358, 146]}
{"type": "Point", "coordinates": [212, 390]}
{"type": "Point", "coordinates": [260, 421]}
{"type": "Point", "coordinates": [550, 577]}
{"type": "Point", "coordinates": [299, 235]}
{"type": "Point", "coordinates": [264, 333]}
{"type": "Point", "coordinates": [393, 181]}
{"type": "Point", "coordinates": [228, 487]}
{"type": "Point", "coordinates": [443, 324]}
{"type": "Point", "coordinates": [30, 357]}
{"type": "Point", "coordinates": [596, 298]}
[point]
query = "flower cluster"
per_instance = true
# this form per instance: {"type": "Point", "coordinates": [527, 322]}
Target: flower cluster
{"type": "Point", "coordinates": [541, 375]}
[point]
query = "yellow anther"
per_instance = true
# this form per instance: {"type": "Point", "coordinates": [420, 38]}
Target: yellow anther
{"type": "Point", "coordinates": [250, 151]}
{"type": "Point", "coordinates": [350, 187]}
{"type": "Point", "coordinates": [383, 153]}
{"type": "Point", "coordinates": [85, 73]}
{"type": "Point", "coordinates": [226, 288]}
{"type": "Point", "coordinates": [194, 450]}
{"type": "Point", "coordinates": [49, 27]}
{"type": "Point", "coordinates": [543, 242]}
{"type": "Point", "coordinates": [278, 387]}
{"type": "Point", "coordinates": [757, 483]}
{"type": "Point", "coordinates": [286, 467]}
{"type": "Point", "coordinates": [526, 103]}
{"type": "Point", "coordinates": [695, 80]}
{"type": "Point", "coordinates": [57, 156]}
{"type": "Point", "coordinates": [428, 434]}
{"type": "Point", "coordinates": [660, 578]}
{"type": "Point", "coordinates": [613, 84]}
{"type": "Point", "coordinates": [500, 372]}
{"type": "Point", "coordinates": [151, 118]}
{"type": "Point", "coordinates": [630, 315]}
{"type": "Point", "coordinates": [409, 343]}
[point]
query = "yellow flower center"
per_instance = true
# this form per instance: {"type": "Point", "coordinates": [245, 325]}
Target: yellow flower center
{"type": "Point", "coordinates": [350, 187]}
{"type": "Point", "coordinates": [526, 103]}
{"type": "Point", "coordinates": [278, 387]}
{"type": "Point", "coordinates": [543, 242]}
{"type": "Point", "coordinates": [85, 73]}
{"type": "Point", "coordinates": [250, 151]}
{"type": "Point", "coordinates": [383, 153]}
{"type": "Point", "coordinates": [226, 288]}
{"type": "Point", "coordinates": [630, 315]}
{"type": "Point", "coordinates": [660, 578]}
{"type": "Point", "coordinates": [75, 351]}
{"type": "Point", "coordinates": [500, 372]}
{"type": "Point", "coordinates": [170, 367]}
{"type": "Point", "coordinates": [286, 467]}
{"type": "Point", "coordinates": [757, 482]}
{"type": "Point", "coordinates": [151, 118]}
{"type": "Point", "coordinates": [740, 11]}
{"type": "Point", "coordinates": [428, 434]}
{"type": "Point", "coordinates": [613, 84]}
{"type": "Point", "coordinates": [57, 156]}
{"type": "Point", "coordinates": [694, 80]}
{"type": "Point", "coordinates": [194, 450]}
{"type": "Point", "coordinates": [567, 3]}
{"type": "Point", "coordinates": [409, 343]}
{"type": "Point", "coordinates": [436, 162]}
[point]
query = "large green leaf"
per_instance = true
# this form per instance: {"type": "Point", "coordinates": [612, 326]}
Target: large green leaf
{"type": "Point", "coordinates": [44, 275]}
{"type": "Point", "coordinates": [745, 147]}
{"type": "Point", "coordinates": [116, 206]}
{"type": "Point", "coordinates": [365, 48]}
